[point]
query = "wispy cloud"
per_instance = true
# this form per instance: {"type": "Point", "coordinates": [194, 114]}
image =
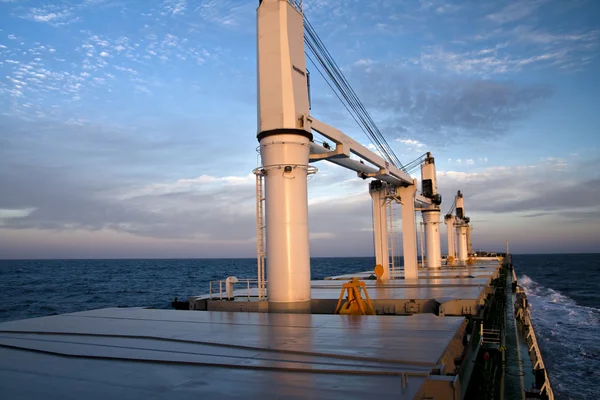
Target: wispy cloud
{"type": "Point", "coordinates": [516, 11]}
{"type": "Point", "coordinates": [105, 130]}
{"type": "Point", "coordinates": [43, 81]}
{"type": "Point", "coordinates": [411, 142]}
{"type": "Point", "coordinates": [499, 60]}
{"type": "Point", "coordinates": [542, 186]}
{"type": "Point", "coordinates": [438, 109]}
{"type": "Point", "coordinates": [8, 213]}
{"type": "Point", "coordinates": [52, 14]}
{"type": "Point", "coordinates": [466, 162]}
{"type": "Point", "coordinates": [174, 7]}
{"type": "Point", "coordinates": [226, 13]}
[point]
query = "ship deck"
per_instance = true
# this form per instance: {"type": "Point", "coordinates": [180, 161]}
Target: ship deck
{"type": "Point", "coordinates": [158, 354]}
{"type": "Point", "coordinates": [447, 291]}
{"type": "Point", "coordinates": [482, 269]}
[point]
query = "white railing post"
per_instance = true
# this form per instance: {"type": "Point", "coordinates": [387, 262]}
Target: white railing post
{"type": "Point", "coordinates": [260, 232]}
{"type": "Point", "coordinates": [391, 238]}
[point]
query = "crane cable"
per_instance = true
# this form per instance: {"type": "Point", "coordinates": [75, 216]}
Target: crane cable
{"type": "Point", "coordinates": [415, 164]}
{"type": "Point", "coordinates": [452, 207]}
{"type": "Point", "coordinates": [331, 73]}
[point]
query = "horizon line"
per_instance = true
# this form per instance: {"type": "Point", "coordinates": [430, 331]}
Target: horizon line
{"type": "Point", "coordinates": [245, 258]}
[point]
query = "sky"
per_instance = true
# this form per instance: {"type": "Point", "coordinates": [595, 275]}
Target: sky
{"type": "Point", "coordinates": [128, 127]}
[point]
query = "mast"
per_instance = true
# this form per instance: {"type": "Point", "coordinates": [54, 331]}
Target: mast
{"type": "Point", "coordinates": [461, 229]}
{"type": "Point", "coordinates": [431, 215]}
{"type": "Point", "coordinates": [284, 136]}
{"type": "Point", "coordinates": [449, 220]}
{"type": "Point", "coordinates": [377, 190]}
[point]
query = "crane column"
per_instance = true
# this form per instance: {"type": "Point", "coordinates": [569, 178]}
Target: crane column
{"type": "Point", "coordinates": [462, 229]}
{"type": "Point", "coordinates": [449, 220]}
{"type": "Point", "coordinates": [377, 189]}
{"type": "Point", "coordinates": [409, 234]}
{"type": "Point", "coordinates": [284, 136]}
{"type": "Point", "coordinates": [431, 215]}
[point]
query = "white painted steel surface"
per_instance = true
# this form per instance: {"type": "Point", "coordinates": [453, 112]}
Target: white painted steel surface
{"type": "Point", "coordinates": [282, 82]}
{"type": "Point", "coordinates": [460, 205]}
{"type": "Point", "coordinates": [349, 145]}
{"type": "Point", "coordinates": [463, 255]}
{"type": "Point", "coordinates": [431, 219]}
{"type": "Point", "coordinates": [450, 232]}
{"type": "Point", "coordinates": [283, 102]}
{"type": "Point", "coordinates": [167, 354]}
{"type": "Point", "coordinates": [261, 252]}
{"type": "Point", "coordinates": [409, 234]}
{"type": "Point", "coordinates": [380, 231]}
{"type": "Point", "coordinates": [286, 205]}
{"type": "Point", "coordinates": [431, 216]}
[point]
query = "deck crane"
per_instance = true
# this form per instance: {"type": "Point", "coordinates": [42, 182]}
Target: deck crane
{"type": "Point", "coordinates": [285, 134]}
{"type": "Point", "coordinates": [449, 221]}
{"type": "Point", "coordinates": [460, 222]}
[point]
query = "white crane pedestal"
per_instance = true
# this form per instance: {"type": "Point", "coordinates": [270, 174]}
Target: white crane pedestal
{"type": "Point", "coordinates": [431, 219]}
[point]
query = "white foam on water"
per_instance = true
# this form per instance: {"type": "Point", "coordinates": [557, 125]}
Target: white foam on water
{"type": "Point", "coordinates": [569, 337]}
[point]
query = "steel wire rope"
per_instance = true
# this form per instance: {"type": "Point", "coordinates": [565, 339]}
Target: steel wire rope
{"type": "Point", "coordinates": [320, 52]}
{"type": "Point", "coordinates": [341, 90]}
{"type": "Point", "coordinates": [347, 91]}
{"type": "Point", "coordinates": [358, 103]}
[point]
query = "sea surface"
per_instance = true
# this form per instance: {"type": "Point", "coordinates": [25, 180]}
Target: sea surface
{"type": "Point", "coordinates": [563, 289]}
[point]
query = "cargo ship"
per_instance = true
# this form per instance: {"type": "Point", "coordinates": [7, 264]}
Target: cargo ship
{"type": "Point", "coordinates": [434, 326]}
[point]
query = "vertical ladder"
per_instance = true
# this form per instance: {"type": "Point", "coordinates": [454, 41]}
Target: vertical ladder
{"type": "Point", "coordinates": [260, 233]}
{"type": "Point", "coordinates": [422, 242]}
{"type": "Point", "coordinates": [469, 245]}
{"type": "Point", "coordinates": [391, 238]}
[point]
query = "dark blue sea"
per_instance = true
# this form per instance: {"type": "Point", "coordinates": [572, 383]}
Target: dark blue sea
{"type": "Point", "coordinates": [564, 291]}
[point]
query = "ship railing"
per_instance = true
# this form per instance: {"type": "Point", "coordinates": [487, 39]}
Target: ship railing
{"type": "Point", "coordinates": [490, 336]}
{"type": "Point", "coordinates": [524, 318]}
{"type": "Point", "coordinates": [255, 288]}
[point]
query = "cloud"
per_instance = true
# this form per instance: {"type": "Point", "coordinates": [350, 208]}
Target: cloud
{"type": "Point", "coordinates": [214, 210]}
{"type": "Point", "coordinates": [516, 11]}
{"type": "Point", "coordinates": [62, 202]}
{"type": "Point", "coordinates": [83, 176]}
{"type": "Point", "coordinates": [207, 208]}
{"type": "Point", "coordinates": [225, 13]}
{"type": "Point", "coordinates": [410, 142]}
{"type": "Point", "coordinates": [545, 187]}
{"type": "Point", "coordinates": [174, 7]}
{"type": "Point", "coordinates": [52, 14]}
{"type": "Point", "coordinates": [536, 215]}
{"type": "Point", "coordinates": [103, 69]}
{"type": "Point", "coordinates": [57, 187]}
{"type": "Point", "coordinates": [321, 235]}
{"type": "Point", "coordinates": [7, 213]}
{"type": "Point", "coordinates": [440, 108]}
{"type": "Point", "coordinates": [127, 164]}
{"type": "Point", "coordinates": [526, 33]}
{"type": "Point", "coordinates": [503, 59]}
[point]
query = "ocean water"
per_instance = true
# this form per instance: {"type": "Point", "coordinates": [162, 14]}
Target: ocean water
{"type": "Point", "coordinates": [564, 291]}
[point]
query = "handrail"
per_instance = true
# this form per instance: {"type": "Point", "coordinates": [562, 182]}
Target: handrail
{"type": "Point", "coordinates": [523, 316]}
{"type": "Point", "coordinates": [250, 283]}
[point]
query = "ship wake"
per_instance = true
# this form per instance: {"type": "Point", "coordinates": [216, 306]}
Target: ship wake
{"type": "Point", "coordinates": [566, 333]}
